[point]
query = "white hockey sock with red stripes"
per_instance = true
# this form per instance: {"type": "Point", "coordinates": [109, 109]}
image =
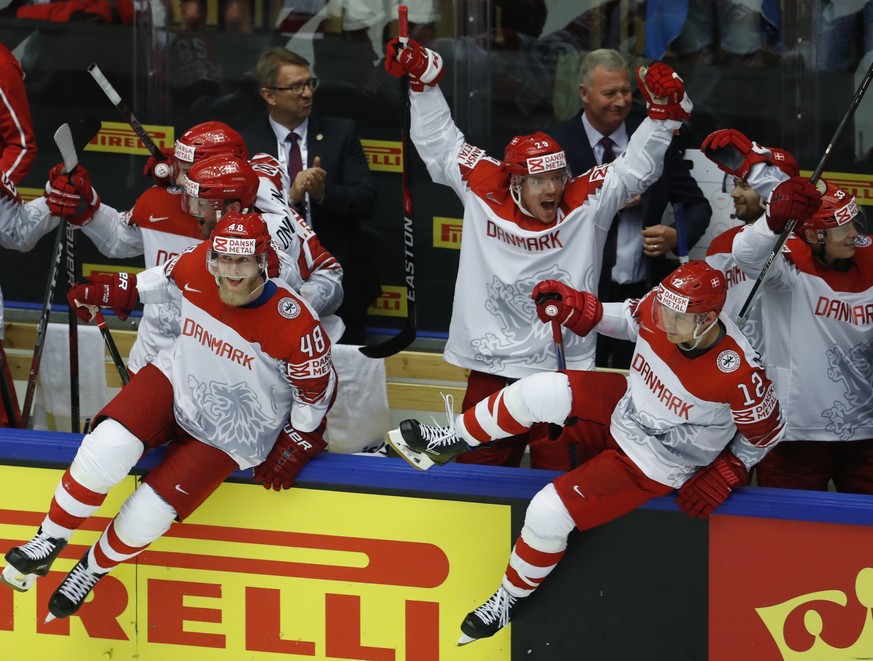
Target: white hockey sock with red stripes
{"type": "Point", "coordinates": [541, 545]}
{"type": "Point", "coordinates": [539, 398]}
{"type": "Point", "coordinates": [72, 503]}
{"type": "Point", "coordinates": [105, 457]}
{"type": "Point", "coordinates": [143, 518]}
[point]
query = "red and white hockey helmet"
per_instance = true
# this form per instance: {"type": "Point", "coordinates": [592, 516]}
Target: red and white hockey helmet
{"type": "Point", "coordinates": [217, 179]}
{"type": "Point", "coordinates": [208, 139]}
{"type": "Point", "coordinates": [694, 287]}
{"type": "Point", "coordinates": [533, 154]}
{"type": "Point", "coordinates": [784, 161]}
{"type": "Point", "coordinates": [838, 208]}
{"type": "Point", "coordinates": [236, 239]}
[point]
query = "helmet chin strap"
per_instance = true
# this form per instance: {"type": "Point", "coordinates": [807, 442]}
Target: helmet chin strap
{"type": "Point", "coordinates": [515, 192]}
{"type": "Point", "coordinates": [698, 333]}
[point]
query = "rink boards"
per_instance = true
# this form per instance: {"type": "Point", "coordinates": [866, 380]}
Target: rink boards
{"type": "Point", "coordinates": [369, 559]}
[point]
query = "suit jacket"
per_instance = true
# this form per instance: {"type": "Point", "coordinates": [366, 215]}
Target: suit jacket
{"type": "Point", "coordinates": [349, 201]}
{"type": "Point", "coordinates": [349, 191]}
{"type": "Point", "coordinates": [675, 185]}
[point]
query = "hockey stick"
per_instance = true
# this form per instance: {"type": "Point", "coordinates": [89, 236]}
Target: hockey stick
{"type": "Point", "coordinates": [816, 175]}
{"type": "Point", "coordinates": [128, 117]}
{"type": "Point", "coordinates": [407, 334]}
{"type": "Point", "coordinates": [681, 236]}
{"type": "Point", "coordinates": [62, 135]}
{"type": "Point", "coordinates": [6, 394]}
{"type": "Point", "coordinates": [110, 345]}
{"type": "Point", "coordinates": [86, 129]}
{"type": "Point", "coordinates": [64, 141]}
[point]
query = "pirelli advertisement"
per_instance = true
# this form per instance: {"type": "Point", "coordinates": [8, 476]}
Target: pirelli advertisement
{"type": "Point", "coordinates": [256, 574]}
{"type": "Point", "coordinates": [337, 568]}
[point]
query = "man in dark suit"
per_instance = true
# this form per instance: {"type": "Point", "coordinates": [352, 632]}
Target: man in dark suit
{"type": "Point", "coordinates": [331, 184]}
{"type": "Point", "coordinates": [635, 256]}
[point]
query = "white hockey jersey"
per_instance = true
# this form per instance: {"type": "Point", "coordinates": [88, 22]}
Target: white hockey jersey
{"type": "Point", "coordinates": [240, 373]}
{"type": "Point", "coordinates": [818, 329]}
{"type": "Point", "coordinates": [159, 229]}
{"type": "Point", "coordinates": [494, 327]}
{"type": "Point", "coordinates": [682, 409]}
{"type": "Point", "coordinates": [720, 255]}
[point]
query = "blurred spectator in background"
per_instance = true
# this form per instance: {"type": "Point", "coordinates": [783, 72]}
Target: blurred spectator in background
{"type": "Point", "coordinates": [707, 31]}
{"type": "Point", "coordinates": [91, 11]}
{"type": "Point", "coordinates": [331, 184]}
{"type": "Point", "coordinates": [635, 258]}
{"type": "Point", "coordinates": [237, 16]}
{"type": "Point", "coordinates": [844, 33]}
{"type": "Point", "coordinates": [194, 71]}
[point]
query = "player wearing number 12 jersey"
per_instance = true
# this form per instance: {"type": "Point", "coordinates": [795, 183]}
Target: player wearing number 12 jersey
{"type": "Point", "coordinates": [695, 413]}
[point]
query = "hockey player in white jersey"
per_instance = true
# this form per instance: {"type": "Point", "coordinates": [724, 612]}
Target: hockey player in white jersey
{"type": "Point", "coordinates": [246, 384]}
{"type": "Point", "coordinates": [696, 412]}
{"type": "Point", "coordinates": [818, 325]}
{"type": "Point", "coordinates": [524, 222]}
{"type": "Point", "coordinates": [163, 223]}
{"type": "Point", "coordinates": [748, 207]}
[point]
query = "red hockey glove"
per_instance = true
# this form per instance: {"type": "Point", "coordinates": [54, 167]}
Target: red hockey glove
{"type": "Point", "coordinates": [164, 172]}
{"type": "Point", "coordinates": [734, 153]}
{"type": "Point", "coordinates": [794, 198]}
{"type": "Point", "coordinates": [290, 453]}
{"type": "Point", "coordinates": [8, 189]}
{"type": "Point", "coordinates": [711, 485]}
{"type": "Point", "coordinates": [577, 310]}
{"type": "Point", "coordinates": [71, 195]}
{"type": "Point", "coordinates": [664, 92]}
{"type": "Point", "coordinates": [424, 66]}
{"type": "Point", "coordinates": [116, 291]}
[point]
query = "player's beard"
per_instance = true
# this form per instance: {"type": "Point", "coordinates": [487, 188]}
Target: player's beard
{"type": "Point", "coordinates": [242, 294]}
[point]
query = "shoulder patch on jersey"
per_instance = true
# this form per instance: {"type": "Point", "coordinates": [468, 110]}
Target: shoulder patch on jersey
{"type": "Point", "coordinates": [598, 173]}
{"type": "Point", "coordinates": [863, 241]}
{"type": "Point", "coordinates": [728, 361]}
{"type": "Point", "coordinates": [289, 308]}
{"type": "Point", "coordinates": [470, 155]}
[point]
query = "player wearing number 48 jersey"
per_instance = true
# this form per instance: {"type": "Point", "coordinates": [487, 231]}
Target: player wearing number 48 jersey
{"type": "Point", "coordinates": [247, 383]}
{"type": "Point", "coordinates": [695, 413]}
{"type": "Point", "coordinates": [164, 222]}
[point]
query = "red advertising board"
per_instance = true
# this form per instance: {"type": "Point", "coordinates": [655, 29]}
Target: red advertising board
{"type": "Point", "coordinates": [789, 590]}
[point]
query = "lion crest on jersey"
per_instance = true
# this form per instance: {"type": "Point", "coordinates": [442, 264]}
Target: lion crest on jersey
{"type": "Point", "coordinates": [526, 342]}
{"type": "Point", "coordinates": [855, 370]}
{"type": "Point", "coordinates": [289, 308]}
{"type": "Point", "coordinates": [230, 414]}
{"type": "Point", "coordinates": [728, 361]}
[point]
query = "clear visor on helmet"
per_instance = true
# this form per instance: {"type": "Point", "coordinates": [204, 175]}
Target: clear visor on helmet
{"type": "Point", "coordinates": [195, 205]}
{"type": "Point", "coordinates": [857, 227]}
{"type": "Point", "coordinates": [230, 265]}
{"type": "Point", "coordinates": [675, 323]}
{"type": "Point", "coordinates": [538, 182]}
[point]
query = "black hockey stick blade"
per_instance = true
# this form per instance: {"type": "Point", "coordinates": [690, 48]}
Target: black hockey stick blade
{"type": "Point", "coordinates": [394, 344]}
{"type": "Point", "coordinates": [84, 131]}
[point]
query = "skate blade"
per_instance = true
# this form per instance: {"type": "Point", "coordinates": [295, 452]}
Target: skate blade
{"type": "Point", "coordinates": [414, 458]}
{"type": "Point", "coordinates": [465, 640]}
{"type": "Point", "coordinates": [16, 580]}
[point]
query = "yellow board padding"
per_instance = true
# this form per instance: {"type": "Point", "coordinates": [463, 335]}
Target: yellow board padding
{"type": "Point", "coordinates": [254, 573]}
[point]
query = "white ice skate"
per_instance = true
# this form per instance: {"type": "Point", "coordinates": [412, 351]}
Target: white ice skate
{"type": "Point", "coordinates": [414, 458]}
